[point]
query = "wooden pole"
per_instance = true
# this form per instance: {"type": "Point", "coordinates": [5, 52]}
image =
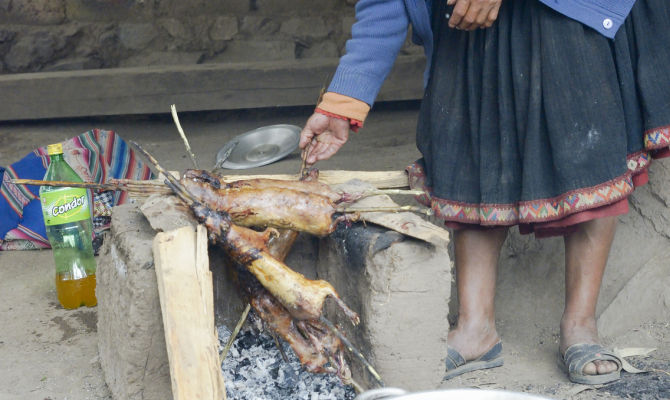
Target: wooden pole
{"type": "Point", "coordinates": [187, 306]}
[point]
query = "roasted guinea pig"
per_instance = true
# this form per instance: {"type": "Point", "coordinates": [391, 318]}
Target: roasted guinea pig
{"type": "Point", "coordinates": [317, 348]}
{"type": "Point", "coordinates": [265, 206]}
{"type": "Point", "coordinates": [309, 184]}
{"type": "Point", "coordinates": [302, 297]}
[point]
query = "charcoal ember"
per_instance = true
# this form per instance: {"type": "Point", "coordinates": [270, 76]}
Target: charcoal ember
{"type": "Point", "coordinates": [246, 341]}
{"type": "Point", "coordinates": [254, 369]}
{"type": "Point", "coordinates": [287, 377]}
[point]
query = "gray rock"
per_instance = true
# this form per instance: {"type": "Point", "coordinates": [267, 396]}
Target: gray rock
{"type": "Point", "coordinates": [34, 12]}
{"type": "Point", "coordinates": [7, 35]}
{"type": "Point", "coordinates": [136, 36]}
{"type": "Point", "coordinates": [269, 7]}
{"type": "Point", "coordinates": [319, 50]}
{"type": "Point", "coordinates": [347, 22]}
{"type": "Point", "coordinates": [192, 8]}
{"type": "Point", "coordinates": [176, 29]}
{"type": "Point", "coordinates": [259, 26]}
{"type": "Point", "coordinates": [6, 40]}
{"type": "Point", "coordinates": [306, 28]}
{"type": "Point", "coordinates": [254, 50]}
{"type": "Point", "coordinates": [224, 28]}
{"type": "Point", "coordinates": [32, 50]}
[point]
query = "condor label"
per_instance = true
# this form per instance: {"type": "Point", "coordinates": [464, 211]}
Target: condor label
{"type": "Point", "coordinates": [66, 205]}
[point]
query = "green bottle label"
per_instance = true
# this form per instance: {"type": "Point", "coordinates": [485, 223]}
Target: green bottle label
{"type": "Point", "coordinates": [65, 205]}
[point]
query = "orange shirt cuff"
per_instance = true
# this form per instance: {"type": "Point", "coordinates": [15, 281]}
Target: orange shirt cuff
{"type": "Point", "coordinates": [345, 106]}
{"type": "Point", "coordinates": [354, 124]}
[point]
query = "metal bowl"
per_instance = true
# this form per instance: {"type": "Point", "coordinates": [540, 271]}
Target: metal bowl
{"type": "Point", "coordinates": [259, 147]}
{"type": "Point", "coordinates": [449, 394]}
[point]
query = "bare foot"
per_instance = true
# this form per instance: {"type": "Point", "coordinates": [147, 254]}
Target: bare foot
{"type": "Point", "coordinates": [473, 339]}
{"type": "Point", "coordinates": [576, 330]}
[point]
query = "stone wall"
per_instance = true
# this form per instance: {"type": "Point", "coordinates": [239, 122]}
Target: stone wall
{"type": "Point", "coordinates": [58, 35]}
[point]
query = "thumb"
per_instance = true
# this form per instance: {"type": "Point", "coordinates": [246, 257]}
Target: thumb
{"type": "Point", "coordinates": [315, 125]}
{"type": "Point", "coordinates": [306, 136]}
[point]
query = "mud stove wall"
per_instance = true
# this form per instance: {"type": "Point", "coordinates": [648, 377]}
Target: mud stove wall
{"type": "Point", "coordinates": [399, 286]}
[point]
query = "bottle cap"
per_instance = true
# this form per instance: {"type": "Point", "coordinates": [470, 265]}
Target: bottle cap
{"type": "Point", "coordinates": [54, 149]}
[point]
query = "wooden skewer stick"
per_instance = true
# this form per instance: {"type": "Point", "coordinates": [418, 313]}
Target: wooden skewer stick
{"type": "Point", "coordinates": [303, 161]}
{"type": "Point", "coordinates": [170, 180]}
{"type": "Point", "coordinates": [173, 109]}
{"type": "Point", "coordinates": [153, 188]}
{"type": "Point", "coordinates": [88, 185]}
{"type": "Point", "coordinates": [135, 188]}
{"type": "Point", "coordinates": [279, 347]}
{"type": "Point", "coordinates": [352, 349]}
{"type": "Point", "coordinates": [349, 380]}
{"type": "Point", "coordinates": [420, 210]}
{"type": "Point", "coordinates": [409, 192]}
{"type": "Point", "coordinates": [143, 183]}
{"type": "Point", "coordinates": [233, 335]}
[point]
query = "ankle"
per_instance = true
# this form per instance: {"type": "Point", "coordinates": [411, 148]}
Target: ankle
{"type": "Point", "coordinates": [578, 329]}
{"type": "Point", "coordinates": [577, 321]}
{"type": "Point", "coordinates": [473, 340]}
{"type": "Point", "coordinates": [481, 331]}
{"type": "Point", "coordinates": [482, 325]}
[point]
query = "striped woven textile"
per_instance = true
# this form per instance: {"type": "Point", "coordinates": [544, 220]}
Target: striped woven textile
{"type": "Point", "coordinates": [96, 155]}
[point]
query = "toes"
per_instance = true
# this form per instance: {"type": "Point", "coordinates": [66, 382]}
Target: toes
{"type": "Point", "coordinates": [590, 369]}
{"type": "Point", "coordinates": [599, 367]}
{"type": "Point", "coordinates": [605, 367]}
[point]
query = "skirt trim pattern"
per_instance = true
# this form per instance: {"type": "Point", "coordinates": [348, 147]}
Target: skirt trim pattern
{"type": "Point", "coordinates": [658, 138]}
{"type": "Point", "coordinates": [551, 209]}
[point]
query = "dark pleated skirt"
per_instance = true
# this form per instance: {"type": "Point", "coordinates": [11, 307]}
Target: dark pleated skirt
{"type": "Point", "coordinates": [541, 120]}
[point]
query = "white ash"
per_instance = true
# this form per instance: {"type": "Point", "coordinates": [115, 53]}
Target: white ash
{"type": "Point", "coordinates": [255, 370]}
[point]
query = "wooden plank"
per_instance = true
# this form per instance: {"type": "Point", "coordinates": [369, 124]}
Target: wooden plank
{"type": "Point", "coordinates": [145, 90]}
{"type": "Point", "coordinates": [186, 297]}
{"type": "Point", "coordinates": [407, 223]}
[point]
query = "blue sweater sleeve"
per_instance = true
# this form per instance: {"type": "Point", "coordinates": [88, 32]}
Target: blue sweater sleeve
{"type": "Point", "coordinates": [376, 38]}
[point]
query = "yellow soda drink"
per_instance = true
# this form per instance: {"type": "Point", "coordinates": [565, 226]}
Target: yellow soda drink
{"type": "Point", "coordinates": [67, 216]}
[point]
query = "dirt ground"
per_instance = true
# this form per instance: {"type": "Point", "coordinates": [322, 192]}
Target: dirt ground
{"type": "Point", "coordinates": [50, 353]}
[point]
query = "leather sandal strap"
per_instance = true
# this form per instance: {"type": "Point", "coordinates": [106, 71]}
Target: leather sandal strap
{"type": "Point", "coordinates": [577, 356]}
{"type": "Point", "coordinates": [454, 359]}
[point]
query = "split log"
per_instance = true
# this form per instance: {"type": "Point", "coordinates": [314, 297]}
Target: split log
{"type": "Point", "coordinates": [186, 297]}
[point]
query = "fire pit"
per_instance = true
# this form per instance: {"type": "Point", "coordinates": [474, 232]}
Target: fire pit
{"type": "Point", "coordinates": [382, 274]}
{"type": "Point", "coordinates": [255, 369]}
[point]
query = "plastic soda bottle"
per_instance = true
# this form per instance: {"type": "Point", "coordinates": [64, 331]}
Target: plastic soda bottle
{"type": "Point", "coordinates": [67, 216]}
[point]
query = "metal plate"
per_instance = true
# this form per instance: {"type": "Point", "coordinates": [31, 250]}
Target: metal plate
{"type": "Point", "coordinates": [259, 147]}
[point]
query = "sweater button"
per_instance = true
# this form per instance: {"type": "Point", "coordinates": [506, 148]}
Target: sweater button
{"type": "Point", "coordinates": [607, 23]}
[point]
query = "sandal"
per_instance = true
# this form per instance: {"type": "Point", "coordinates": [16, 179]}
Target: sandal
{"type": "Point", "coordinates": [578, 355]}
{"type": "Point", "coordinates": [456, 364]}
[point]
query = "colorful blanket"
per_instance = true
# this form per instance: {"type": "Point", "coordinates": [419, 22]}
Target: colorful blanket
{"type": "Point", "coordinates": [96, 156]}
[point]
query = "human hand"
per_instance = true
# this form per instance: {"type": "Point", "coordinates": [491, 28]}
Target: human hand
{"type": "Point", "coordinates": [323, 136]}
{"type": "Point", "coordinates": [472, 14]}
